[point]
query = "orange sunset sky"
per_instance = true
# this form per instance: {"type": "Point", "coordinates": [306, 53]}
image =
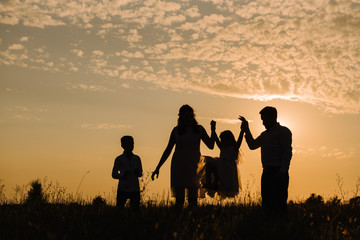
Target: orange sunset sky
{"type": "Point", "coordinates": [75, 76]}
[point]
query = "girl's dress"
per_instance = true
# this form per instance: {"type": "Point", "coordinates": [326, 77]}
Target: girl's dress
{"type": "Point", "coordinates": [226, 168]}
{"type": "Point", "coordinates": [185, 160]}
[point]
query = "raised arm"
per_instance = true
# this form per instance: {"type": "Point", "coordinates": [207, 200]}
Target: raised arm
{"type": "Point", "coordinates": [240, 138]}
{"type": "Point", "coordinates": [214, 136]}
{"type": "Point", "coordinates": [209, 142]}
{"type": "Point", "coordinates": [252, 143]}
{"type": "Point", "coordinates": [165, 154]}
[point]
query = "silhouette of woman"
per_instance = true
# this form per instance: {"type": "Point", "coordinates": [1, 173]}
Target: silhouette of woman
{"type": "Point", "coordinates": [186, 138]}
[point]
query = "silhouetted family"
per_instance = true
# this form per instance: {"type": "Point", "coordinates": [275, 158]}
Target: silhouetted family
{"type": "Point", "coordinates": [193, 175]}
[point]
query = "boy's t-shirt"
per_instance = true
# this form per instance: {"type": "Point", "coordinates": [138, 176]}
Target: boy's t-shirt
{"type": "Point", "coordinates": [128, 182]}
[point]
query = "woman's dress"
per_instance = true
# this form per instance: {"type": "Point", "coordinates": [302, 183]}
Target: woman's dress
{"type": "Point", "coordinates": [185, 159]}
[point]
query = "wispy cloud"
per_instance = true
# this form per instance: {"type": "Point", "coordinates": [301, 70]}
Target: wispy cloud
{"type": "Point", "coordinates": [234, 120]}
{"type": "Point", "coordinates": [262, 50]}
{"type": "Point", "coordinates": [26, 109]}
{"type": "Point", "coordinates": [27, 117]}
{"type": "Point", "coordinates": [98, 53]}
{"type": "Point", "coordinates": [24, 39]}
{"type": "Point", "coordinates": [104, 126]}
{"type": "Point", "coordinates": [77, 52]}
{"type": "Point", "coordinates": [325, 152]}
{"type": "Point", "coordinates": [16, 47]}
{"type": "Point", "coordinates": [27, 113]}
{"type": "Point", "coordinates": [222, 120]}
{"type": "Point", "coordinates": [89, 87]}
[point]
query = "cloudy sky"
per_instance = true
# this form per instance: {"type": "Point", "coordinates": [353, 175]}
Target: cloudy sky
{"type": "Point", "coordinates": [77, 75]}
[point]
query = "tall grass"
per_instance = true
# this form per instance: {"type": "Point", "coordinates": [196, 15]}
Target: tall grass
{"type": "Point", "coordinates": [54, 193]}
{"type": "Point", "coordinates": [63, 216]}
{"type": "Point", "coordinates": [154, 221]}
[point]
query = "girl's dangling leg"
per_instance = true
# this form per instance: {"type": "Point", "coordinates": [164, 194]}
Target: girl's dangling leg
{"type": "Point", "coordinates": [211, 175]}
{"type": "Point", "coordinates": [208, 174]}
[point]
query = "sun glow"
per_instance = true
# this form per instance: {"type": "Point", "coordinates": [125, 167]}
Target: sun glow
{"type": "Point", "coordinates": [285, 122]}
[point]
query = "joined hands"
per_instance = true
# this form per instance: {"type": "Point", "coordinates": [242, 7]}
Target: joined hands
{"type": "Point", "coordinates": [213, 125]}
{"type": "Point", "coordinates": [244, 124]}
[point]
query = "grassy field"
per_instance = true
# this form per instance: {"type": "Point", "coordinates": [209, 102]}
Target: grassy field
{"type": "Point", "coordinates": [100, 221]}
{"type": "Point", "coordinates": [45, 211]}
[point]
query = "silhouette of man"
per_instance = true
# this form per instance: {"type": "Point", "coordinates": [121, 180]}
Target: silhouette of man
{"type": "Point", "coordinates": [276, 153]}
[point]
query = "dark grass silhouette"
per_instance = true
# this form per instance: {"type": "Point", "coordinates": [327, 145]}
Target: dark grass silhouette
{"type": "Point", "coordinates": [311, 219]}
{"type": "Point", "coordinates": [36, 193]}
{"type": "Point", "coordinates": [54, 218]}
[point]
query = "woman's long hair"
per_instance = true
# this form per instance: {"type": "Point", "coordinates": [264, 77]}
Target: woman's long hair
{"type": "Point", "coordinates": [181, 124]}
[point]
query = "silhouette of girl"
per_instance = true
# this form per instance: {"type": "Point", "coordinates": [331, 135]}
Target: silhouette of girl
{"type": "Point", "coordinates": [220, 174]}
{"type": "Point", "coordinates": [186, 138]}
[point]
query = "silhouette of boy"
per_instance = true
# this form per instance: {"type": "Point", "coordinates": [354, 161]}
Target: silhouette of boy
{"type": "Point", "coordinates": [127, 169]}
{"type": "Point", "coordinates": [276, 152]}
